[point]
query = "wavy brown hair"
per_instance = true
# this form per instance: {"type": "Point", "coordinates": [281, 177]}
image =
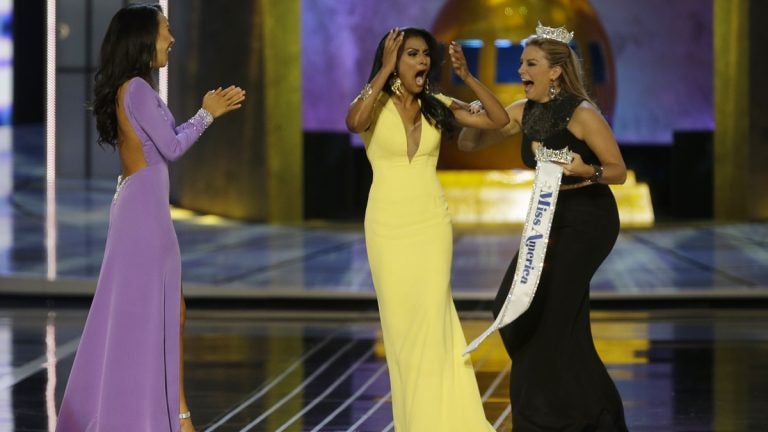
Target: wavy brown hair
{"type": "Point", "coordinates": [127, 51]}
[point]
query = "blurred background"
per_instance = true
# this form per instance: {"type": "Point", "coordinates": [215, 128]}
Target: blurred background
{"type": "Point", "coordinates": [288, 157]}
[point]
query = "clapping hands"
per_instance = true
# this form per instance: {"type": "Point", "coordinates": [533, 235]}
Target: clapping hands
{"type": "Point", "coordinates": [221, 101]}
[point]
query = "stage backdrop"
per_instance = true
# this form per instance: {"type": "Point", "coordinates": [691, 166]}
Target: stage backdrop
{"type": "Point", "coordinates": [662, 51]}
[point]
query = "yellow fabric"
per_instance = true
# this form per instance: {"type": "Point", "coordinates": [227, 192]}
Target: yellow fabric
{"type": "Point", "coordinates": [409, 242]}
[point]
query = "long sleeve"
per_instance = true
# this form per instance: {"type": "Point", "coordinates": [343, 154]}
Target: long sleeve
{"type": "Point", "coordinates": [145, 106]}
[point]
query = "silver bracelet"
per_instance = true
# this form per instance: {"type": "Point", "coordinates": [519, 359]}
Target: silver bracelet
{"type": "Point", "coordinates": [365, 93]}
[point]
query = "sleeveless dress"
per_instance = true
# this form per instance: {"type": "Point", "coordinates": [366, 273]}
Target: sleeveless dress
{"type": "Point", "coordinates": [125, 376]}
{"type": "Point", "coordinates": [409, 242]}
{"type": "Point", "coordinates": [558, 382]}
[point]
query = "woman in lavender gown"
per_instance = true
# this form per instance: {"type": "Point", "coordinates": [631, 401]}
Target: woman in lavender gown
{"type": "Point", "coordinates": [128, 371]}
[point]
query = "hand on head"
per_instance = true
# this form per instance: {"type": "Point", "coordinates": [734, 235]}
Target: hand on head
{"type": "Point", "coordinates": [391, 45]}
{"type": "Point", "coordinates": [458, 61]}
{"type": "Point", "coordinates": [221, 101]}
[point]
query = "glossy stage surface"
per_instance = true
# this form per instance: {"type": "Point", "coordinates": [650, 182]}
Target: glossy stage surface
{"type": "Point", "coordinates": [698, 370]}
{"type": "Point", "coordinates": [282, 332]}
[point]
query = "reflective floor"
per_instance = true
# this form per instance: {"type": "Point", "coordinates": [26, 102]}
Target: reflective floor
{"type": "Point", "coordinates": [699, 370]}
{"type": "Point", "coordinates": [225, 258]}
{"type": "Point", "coordinates": [679, 318]}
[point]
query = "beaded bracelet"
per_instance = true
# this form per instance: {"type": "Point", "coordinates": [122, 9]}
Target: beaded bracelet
{"type": "Point", "coordinates": [597, 175]}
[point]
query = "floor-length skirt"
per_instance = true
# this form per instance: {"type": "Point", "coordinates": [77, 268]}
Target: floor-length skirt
{"type": "Point", "coordinates": [125, 375]}
{"type": "Point", "coordinates": [558, 382]}
{"type": "Point", "coordinates": [409, 242]}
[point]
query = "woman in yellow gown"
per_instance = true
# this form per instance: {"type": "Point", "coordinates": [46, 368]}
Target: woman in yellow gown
{"type": "Point", "coordinates": [408, 229]}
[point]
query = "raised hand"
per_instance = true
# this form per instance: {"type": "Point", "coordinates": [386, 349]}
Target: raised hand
{"type": "Point", "coordinates": [391, 46]}
{"type": "Point", "coordinates": [221, 101]}
{"type": "Point", "coordinates": [458, 61]}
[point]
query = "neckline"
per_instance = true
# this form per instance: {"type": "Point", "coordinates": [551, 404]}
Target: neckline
{"type": "Point", "coordinates": [404, 129]}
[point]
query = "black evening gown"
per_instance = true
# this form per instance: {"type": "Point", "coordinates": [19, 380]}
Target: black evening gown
{"type": "Point", "coordinates": [558, 382]}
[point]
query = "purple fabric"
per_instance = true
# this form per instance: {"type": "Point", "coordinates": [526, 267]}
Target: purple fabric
{"type": "Point", "coordinates": [126, 371]}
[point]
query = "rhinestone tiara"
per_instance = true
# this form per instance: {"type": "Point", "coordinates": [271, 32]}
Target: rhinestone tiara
{"type": "Point", "coordinates": [544, 154]}
{"type": "Point", "coordinates": [560, 34]}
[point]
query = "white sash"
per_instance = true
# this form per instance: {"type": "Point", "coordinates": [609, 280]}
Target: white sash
{"type": "Point", "coordinates": [533, 246]}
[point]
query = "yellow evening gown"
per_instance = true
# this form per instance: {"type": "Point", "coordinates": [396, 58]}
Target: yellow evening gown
{"type": "Point", "coordinates": [409, 240]}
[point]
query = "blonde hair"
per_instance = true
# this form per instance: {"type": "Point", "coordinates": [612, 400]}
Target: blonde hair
{"type": "Point", "coordinates": [560, 54]}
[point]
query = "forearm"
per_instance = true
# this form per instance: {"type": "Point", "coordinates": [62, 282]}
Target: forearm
{"type": "Point", "coordinates": [614, 173]}
{"type": "Point", "coordinates": [360, 112]}
{"type": "Point", "coordinates": [471, 139]}
{"type": "Point", "coordinates": [608, 173]}
{"type": "Point", "coordinates": [493, 108]}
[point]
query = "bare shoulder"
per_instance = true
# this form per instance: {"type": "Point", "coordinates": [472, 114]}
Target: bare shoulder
{"type": "Point", "coordinates": [517, 107]}
{"type": "Point", "coordinates": [515, 111]}
{"type": "Point", "coordinates": [585, 117]}
{"type": "Point", "coordinates": [586, 112]}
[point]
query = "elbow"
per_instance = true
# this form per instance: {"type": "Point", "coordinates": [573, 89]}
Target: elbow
{"type": "Point", "coordinates": [502, 121]}
{"type": "Point", "coordinates": [621, 178]}
{"type": "Point", "coordinates": [464, 143]}
{"type": "Point", "coordinates": [173, 157]}
{"type": "Point", "coordinates": [355, 126]}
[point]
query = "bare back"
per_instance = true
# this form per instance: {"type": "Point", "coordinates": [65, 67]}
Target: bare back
{"type": "Point", "coordinates": [128, 143]}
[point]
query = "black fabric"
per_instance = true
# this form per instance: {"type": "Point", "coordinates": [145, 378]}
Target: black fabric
{"type": "Point", "coordinates": [558, 382]}
{"type": "Point", "coordinates": [547, 123]}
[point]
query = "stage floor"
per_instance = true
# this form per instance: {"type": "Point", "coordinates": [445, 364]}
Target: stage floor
{"type": "Point", "coordinates": [681, 370]}
{"type": "Point", "coordinates": [282, 331]}
{"type": "Point", "coordinates": [229, 259]}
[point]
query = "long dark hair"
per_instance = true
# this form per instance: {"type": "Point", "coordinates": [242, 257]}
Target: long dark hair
{"type": "Point", "coordinates": [127, 51]}
{"type": "Point", "coordinates": [436, 113]}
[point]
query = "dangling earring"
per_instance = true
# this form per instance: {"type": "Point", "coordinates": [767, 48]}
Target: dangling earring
{"type": "Point", "coordinates": [553, 91]}
{"type": "Point", "coordinates": [426, 86]}
{"type": "Point", "coordinates": [396, 85]}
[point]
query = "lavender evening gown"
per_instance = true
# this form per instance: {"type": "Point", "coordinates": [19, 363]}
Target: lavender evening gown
{"type": "Point", "coordinates": [126, 372]}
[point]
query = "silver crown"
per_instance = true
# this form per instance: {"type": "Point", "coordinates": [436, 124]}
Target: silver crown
{"type": "Point", "coordinates": [544, 154]}
{"type": "Point", "coordinates": [559, 34]}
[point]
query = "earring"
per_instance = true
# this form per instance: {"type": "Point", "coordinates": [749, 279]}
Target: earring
{"type": "Point", "coordinates": [396, 85]}
{"type": "Point", "coordinates": [553, 91]}
{"type": "Point", "coordinates": [426, 86]}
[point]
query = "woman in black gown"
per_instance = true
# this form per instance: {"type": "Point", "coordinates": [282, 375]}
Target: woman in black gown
{"type": "Point", "coordinates": [558, 382]}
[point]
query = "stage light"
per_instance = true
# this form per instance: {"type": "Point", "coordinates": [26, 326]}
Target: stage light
{"type": "Point", "coordinates": [50, 140]}
{"type": "Point", "coordinates": [163, 81]}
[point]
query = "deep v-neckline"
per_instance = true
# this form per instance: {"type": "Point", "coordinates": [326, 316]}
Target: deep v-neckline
{"type": "Point", "coordinates": [408, 131]}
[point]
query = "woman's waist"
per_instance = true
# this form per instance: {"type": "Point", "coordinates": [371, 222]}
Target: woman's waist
{"type": "Point", "coordinates": [391, 220]}
{"type": "Point", "coordinates": [407, 193]}
{"type": "Point", "coordinates": [151, 182]}
{"type": "Point", "coordinates": [414, 177]}
{"type": "Point", "coordinates": [406, 205]}
{"type": "Point", "coordinates": [593, 202]}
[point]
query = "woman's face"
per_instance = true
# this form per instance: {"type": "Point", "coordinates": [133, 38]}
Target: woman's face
{"type": "Point", "coordinates": [413, 66]}
{"type": "Point", "coordinates": [164, 42]}
{"type": "Point", "coordinates": [536, 73]}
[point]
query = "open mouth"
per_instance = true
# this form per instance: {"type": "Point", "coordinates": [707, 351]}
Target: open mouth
{"type": "Point", "coordinates": [527, 84]}
{"type": "Point", "coordinates": [421, 77]}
